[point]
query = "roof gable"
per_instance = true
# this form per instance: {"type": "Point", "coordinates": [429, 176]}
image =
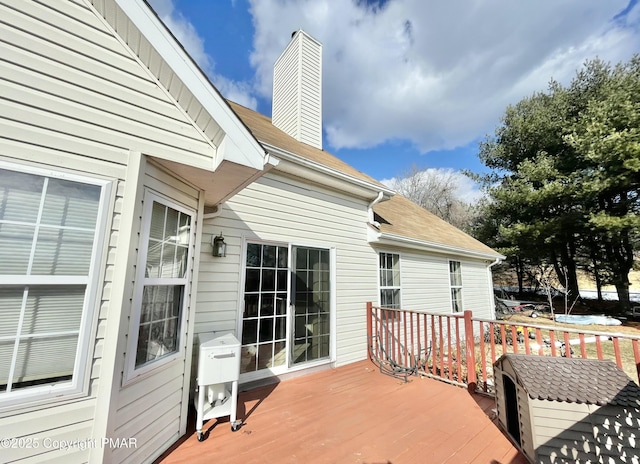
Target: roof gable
{"type": "Point", "coordinates": [156, 48]}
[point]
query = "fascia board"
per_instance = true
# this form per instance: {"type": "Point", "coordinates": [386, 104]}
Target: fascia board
{"type": "Point", "coordinates": [246, 150]}
{"type": "Point", "coordinates": [382, 238]}
{"type": "Point", "coordinates": [324, 175]}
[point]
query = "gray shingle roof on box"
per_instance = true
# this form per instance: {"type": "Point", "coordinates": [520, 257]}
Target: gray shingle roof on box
{"type": "Point", "coordinates": [574, 380]}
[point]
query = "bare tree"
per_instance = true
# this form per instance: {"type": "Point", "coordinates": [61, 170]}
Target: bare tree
{"type": "Point", "coordinates": [436, 191]}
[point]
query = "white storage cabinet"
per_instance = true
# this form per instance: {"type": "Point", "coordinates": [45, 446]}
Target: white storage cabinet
{"type": "Point", "coordinates": [217, 381]}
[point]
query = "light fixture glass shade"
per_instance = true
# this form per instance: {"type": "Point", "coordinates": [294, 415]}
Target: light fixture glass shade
{"type": "Point", "coordinates": [219, 247]}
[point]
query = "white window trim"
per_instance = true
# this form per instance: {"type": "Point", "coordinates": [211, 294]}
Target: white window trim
{"type": "Point", "coordinates": [380, 286]}
{"type": "Point", "coordinates": [132, 374]}
{"type": "Point", "coordinates": [79, 383]}
{"type": "Point", "coordinates": [451, 287]}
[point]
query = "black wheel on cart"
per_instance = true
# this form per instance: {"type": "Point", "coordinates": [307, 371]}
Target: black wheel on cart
{"type": "Point", "coordinates": [200, 436]}
{"type": "Point", "coordinates": [235, 427]}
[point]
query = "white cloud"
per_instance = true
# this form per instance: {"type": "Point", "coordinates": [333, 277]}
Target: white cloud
{"type": "Point", "coordinates": [193, 43]}
{"type": "Point", "coordinates": [433, 72]}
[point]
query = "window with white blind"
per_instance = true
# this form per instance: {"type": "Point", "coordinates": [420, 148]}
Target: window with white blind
{"type": "Point", "coordinates": [390, 280]}
{"type": "Point", "coordinates": [163, 279]}
{"type": "Point", "coordinates": [50, 241]}
{"type": "Point", "coordinates": [455, 281]}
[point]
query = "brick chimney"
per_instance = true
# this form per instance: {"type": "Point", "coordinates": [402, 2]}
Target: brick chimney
{"type": "Point", "coordinates": [297, 90]}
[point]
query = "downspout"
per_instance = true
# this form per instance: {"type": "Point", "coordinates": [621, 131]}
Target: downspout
{"type": "Point", "coordinates": [492, 298]}
{"type": "Point", "coordinates": [215, 214]}
{"type": "Point", "coordinates": [372, 221]}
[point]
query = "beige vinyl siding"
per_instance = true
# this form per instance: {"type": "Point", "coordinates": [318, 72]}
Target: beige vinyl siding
{"type": "Point", "coordinates": [281, 209]}
{"type": "Point", "coordinates": [477, 293]}
{"type": "Point", "coordinates": [74, 98]}
{"type": "Point", "coordinates": [150, 409]}
{"type": "Point", "coordinates": [68, 418]}
{"type": "Point", "coordinates": [425, 283]}
{"type": "Point", "coordinates": [297, 90]}
{"type": "Point", "coordinates": [527, 434]}
{"type": "Point", "coordinates": [615, 428]}
{"type": "Point", "coordinates": [311, 94]}
{"type": "Point", "coordinates": [77, 420]}
{"type": "Point", "coordinates": [68, 83]}
{"type": "Point", "coordinates": [603, 430]}
{"type": "Point", "coordinates": [285, 82]}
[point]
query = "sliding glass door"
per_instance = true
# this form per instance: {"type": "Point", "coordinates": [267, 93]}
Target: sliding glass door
{"type": "Point", "coordinates": [311, 289]}
{"type": "Point", "coordinates": [265, 307]}
{"type": "Point", "coordinates": [287, 307]}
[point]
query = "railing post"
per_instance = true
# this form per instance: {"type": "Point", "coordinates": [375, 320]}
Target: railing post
{"type": "Point", "coordinates": [471, 352]}
{"type": "Point", "coordinates": [369, 329]}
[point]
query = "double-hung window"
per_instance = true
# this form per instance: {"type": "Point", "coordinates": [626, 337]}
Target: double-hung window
{"type": "Point", "coordinates": [390, 280]}
{"type": "Point", "coordinates": [51, 237]}
{"type": "Point", "coordinates": [163, 282]}
{"type": "Point", "coordinates": [455, 281]}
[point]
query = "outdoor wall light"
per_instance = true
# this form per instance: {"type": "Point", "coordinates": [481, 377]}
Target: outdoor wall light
{"type": "Point", "coordinates": [219, 247]}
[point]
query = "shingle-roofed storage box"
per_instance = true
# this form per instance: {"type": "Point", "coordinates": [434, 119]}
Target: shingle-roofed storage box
{"type": "Point", "coordinates": [567, 410]}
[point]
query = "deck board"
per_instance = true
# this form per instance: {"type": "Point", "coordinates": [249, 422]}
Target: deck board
{"type": "Point", "coordinates": [353, 414]}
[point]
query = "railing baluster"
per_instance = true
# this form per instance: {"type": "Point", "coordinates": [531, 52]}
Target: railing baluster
{"type": "Point", "coordinates": [404, 323]}
{"type": "Point", "coordinates": [616, 350]}
{"type": "Point", "coordinates": [567, 345]}
{"type": "Point", "coordinates": [583, 347]}
{"type": "Point", "coordinates": [493, 342]}
{"type": "Point", "coordinates": [401, 337]}
{"type": "Point", "coordinates": [458, 358]}
{"type": "Point", "coordinates": [412, 357]}
{"type": "Point", "coordinates": [599, 347]}
{"type": "Point", "coordinates": [539, 342]}
{"type": "Point", "coordinates": [441, 355]}
{"type": "Point", "coordinates": [434, 346]}
{"type": "Point", "coordinates": [449, 364]}
{"type": "Point", "coordinates": [636, 357]}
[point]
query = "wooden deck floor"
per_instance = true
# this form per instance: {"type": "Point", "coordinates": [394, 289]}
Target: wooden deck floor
{"type": "Point", "coordinates": [353, 414]}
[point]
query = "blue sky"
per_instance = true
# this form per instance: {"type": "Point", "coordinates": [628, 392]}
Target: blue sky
{"type": "Point", "coordinates": [406, 82]}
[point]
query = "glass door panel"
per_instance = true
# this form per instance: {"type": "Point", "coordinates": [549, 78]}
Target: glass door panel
{"type": "Point", "coordinates": [265, 307]}
{"type": "Point", "coordinates": [311, 289]}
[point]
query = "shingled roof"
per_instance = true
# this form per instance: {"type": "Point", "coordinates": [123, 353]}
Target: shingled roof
{"type": "Point", "coordinates": [263, 130]}
{"type": "Point", "coordinates": [573, 380]}
{"type": "Point", "coordinates": [398, 216]}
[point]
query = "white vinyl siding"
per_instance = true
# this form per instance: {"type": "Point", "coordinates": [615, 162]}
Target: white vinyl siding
{"type": "Point", "coordinates": [150, 407]}
{"type": "Point", "coordinates": [51, 418]}
{"type": "Point", "coordinates": [64, 74]}
{"type": "Point", "coordinates": [426, 284]}
{"type": "Point", "coordinates": [279, 209]}
{"type": "Point", "coordinates": [73, 99]}
{"type": "Point", "coordinates": [297, 90]}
